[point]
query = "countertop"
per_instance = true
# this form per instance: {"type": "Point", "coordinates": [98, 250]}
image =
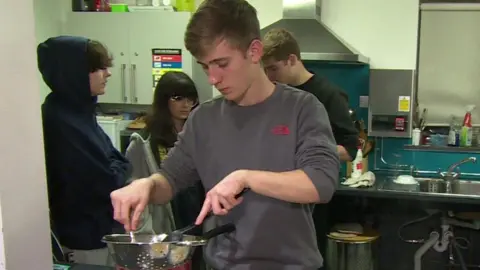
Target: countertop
{"type": "Point", "coordinates": [385, 188]}
{"type": "Point", "coordinates": [90, 267]}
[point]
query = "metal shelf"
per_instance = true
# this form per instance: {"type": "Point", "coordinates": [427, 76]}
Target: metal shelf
{"type": "Point", "coordinates": [450, 149]}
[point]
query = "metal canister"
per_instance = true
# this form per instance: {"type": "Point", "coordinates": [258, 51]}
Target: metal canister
{"type": "Point", "coordinates": [352, 253]}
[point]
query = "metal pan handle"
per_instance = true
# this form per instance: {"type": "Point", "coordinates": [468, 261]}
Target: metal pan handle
{"type": "Point", "coordinates": [193, 226]}
{"type": "Point", "coordinates": [227, 228]}
{"type": "Point", "coordinates": [245, 190]}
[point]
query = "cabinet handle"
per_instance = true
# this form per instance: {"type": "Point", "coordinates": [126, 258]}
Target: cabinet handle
{"type": "Point", "coordinates": [133, 73]}
{"type": "Point", "coordinates": [122, 78]}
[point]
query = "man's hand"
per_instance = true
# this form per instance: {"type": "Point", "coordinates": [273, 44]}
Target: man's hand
{"type": "Point", "coordinates": [132, 197]}
{"type": "Point", "coordinates": [221, 198]}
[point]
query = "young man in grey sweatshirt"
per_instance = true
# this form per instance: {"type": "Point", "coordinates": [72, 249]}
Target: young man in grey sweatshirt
{"type": "Point", "coordinates": [270, 138]}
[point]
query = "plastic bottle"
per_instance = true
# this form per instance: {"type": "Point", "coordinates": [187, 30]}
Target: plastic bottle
{"type": "Point", "coordinates": [357, 164]}
{"type": "Point", "coordinates": [416, 134]}
{"type": "Point", "coordinates": [454, 132]}
{"type": "Point", "coordinates": [466, 132]}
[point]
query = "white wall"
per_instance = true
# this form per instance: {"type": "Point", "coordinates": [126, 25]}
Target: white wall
{"type": "Point", "coordinates": [23, 193]}
{"type": "Point", "coordinates": [47, 24]}
{"type": "Point", "coordinates": [383, 30]}
{"type": "Point", "coordinates": [449, 63]}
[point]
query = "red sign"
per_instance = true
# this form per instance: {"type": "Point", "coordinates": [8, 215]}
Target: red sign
{"type": "Point", "coordinates": [171, 58]}
{"type": "Point", "coordinates": [400, 123]}
{"type": "Point", "coordinates": [167, 58]}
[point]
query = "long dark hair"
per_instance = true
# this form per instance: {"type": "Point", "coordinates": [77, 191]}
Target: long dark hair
{"type": "Point", "coordinates": [159, 121]}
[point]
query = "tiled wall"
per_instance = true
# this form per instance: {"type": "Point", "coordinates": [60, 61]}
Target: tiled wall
{"type": "Point", "coordinates": [354, 80]}
{"type": "Point", "coordinates": [425, 161]}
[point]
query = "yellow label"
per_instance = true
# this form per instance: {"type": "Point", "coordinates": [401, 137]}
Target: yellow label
{"type": "Point", "coordinates": [403, 103]}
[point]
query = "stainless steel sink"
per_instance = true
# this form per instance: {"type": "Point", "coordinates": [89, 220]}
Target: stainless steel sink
{"type": "Point", "coordinates": [466, 187]}
{"type": "Point", "coordinates": [432, 185]}
{"type": "Point", "coordinates": [461, 187]}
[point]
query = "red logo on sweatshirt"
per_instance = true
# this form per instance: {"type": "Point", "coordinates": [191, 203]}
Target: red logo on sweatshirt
{"type": "Point", "coordinates": [281, 130]}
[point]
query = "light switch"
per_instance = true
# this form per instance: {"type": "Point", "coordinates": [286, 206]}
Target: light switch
{"type": "Point", "coordinates": [363, 102]}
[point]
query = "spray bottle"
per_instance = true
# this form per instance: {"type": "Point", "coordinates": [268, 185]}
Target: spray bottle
{"type": "Point", "coordinates": [466, 133]}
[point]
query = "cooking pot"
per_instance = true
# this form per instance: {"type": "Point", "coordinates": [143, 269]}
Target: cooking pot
{"type": "Point", "coordinates": [352, 252]}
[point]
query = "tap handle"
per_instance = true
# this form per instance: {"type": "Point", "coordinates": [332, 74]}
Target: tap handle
{"type": "Point", "coordinates": [457, 173]}
{"type": "Point", "coordinates": [412, 170]}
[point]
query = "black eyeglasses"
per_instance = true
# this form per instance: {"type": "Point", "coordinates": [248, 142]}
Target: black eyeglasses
{"type": "Point", "coordinates": [190, 101]}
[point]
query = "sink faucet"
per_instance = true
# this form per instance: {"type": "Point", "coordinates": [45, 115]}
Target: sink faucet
{"type": "Point", "coordinates": [451, 173]}
{"type": "Point", "coordinates": [451, 176]}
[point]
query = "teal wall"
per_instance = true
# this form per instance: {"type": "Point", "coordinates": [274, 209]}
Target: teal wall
{"type": "Point", "coordinates": [354, 80]}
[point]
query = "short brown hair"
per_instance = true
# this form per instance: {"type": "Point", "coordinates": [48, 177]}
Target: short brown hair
{"type": "Point", "coordinates": [279, 44]}
{"type": "Point", "coordinates": [233, 20]}
{"type": "Point", "coordinates": [98, 56]}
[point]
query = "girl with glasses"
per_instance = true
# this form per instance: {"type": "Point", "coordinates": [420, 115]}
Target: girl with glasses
{"type": "Point", "coordinates": [174, 98]}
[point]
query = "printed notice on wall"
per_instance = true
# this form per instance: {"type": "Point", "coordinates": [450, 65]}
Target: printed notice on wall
{"type": "Point", "coordinates": [164, 60]}
{"type": "Point", "coordinates": [403, 103]}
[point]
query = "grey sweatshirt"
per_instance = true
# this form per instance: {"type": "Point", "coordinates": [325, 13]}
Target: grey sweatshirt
{"type": "Point", "coordinates": [289, 130]}
{"type": "Point", "coordinates": [155, 218]}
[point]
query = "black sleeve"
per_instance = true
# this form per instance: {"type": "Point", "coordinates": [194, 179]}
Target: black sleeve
{"type": "Point", "coordinates": [71, 157]}
{"type": "Point", "coordinates": [118, 163]}
{"type": "Point", "coordinates": [343, 128]}
{"type": "Point", "coordinates": [179, 167]}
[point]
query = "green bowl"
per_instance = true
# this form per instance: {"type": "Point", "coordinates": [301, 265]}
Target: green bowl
{"type": "Point", "coordinates": [119, 7]}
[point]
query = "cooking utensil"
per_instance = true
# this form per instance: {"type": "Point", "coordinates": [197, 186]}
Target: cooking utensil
{"type": "Point", "coordinates": [147, 253]}
{"type": "Point", "coordinates": [423, 119]}
{"type": "Point", "coordinates": [362, 130]}
{"type": "Point", "coordinates": [369, 146]}
{"type": "Point", "coordinates": [132, 236]}
{"type": "Point", "coordinates": [177, 234]}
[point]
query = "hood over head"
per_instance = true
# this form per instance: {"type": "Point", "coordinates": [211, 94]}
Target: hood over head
{"type": "Point", "coordinates": [63, 63]}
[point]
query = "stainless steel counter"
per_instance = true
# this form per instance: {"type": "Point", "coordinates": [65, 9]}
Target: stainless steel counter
{"type": "Point", "coordinates": [385, 188]}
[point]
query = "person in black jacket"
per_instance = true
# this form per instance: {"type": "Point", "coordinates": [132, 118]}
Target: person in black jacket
{"type": "Point", "coordinates": [283, 64]}
{"type": "Point", "coordinates": [174, 98]}
{"type": "Point", "coordinates": [82, 165]}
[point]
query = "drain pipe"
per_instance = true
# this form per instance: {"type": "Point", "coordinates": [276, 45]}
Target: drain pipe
{"type": "Point", "coordinates": [461, 261]}
{"type": "Point", "coordinates": [417, 259]}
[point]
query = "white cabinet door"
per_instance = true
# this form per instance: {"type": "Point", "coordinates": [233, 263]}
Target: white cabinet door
{"type": "Point", "coordinates": [112, 30]}
{"type": "Point", "coordinates": [155, 30]}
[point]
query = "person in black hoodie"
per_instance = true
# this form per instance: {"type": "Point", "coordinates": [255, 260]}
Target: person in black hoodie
{"type": "Point", "coordinates": [283, 64]}
{"type": "Point", "coordinates": [174, 98]}
{"type": "Point", "coordinates": [82, 165]}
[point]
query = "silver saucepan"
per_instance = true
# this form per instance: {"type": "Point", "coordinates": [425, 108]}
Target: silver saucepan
{"type": "Point", "coordinates": [148, 252]}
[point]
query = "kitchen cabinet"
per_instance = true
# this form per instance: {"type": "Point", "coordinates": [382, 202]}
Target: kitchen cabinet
{"type": "Point", "coordinates": [130, 37]}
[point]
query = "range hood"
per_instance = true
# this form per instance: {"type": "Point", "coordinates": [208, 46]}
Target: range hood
{"type": "Point", "coordinates": [303, 19]}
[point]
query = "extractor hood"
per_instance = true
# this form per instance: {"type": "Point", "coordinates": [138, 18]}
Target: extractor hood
{"type": "Point", "coordinates": [303, 19]}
